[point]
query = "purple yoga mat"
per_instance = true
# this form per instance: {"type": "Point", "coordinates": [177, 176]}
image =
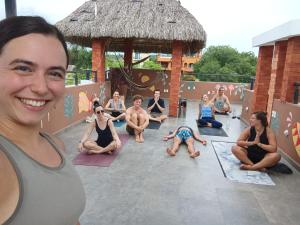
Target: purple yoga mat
{"type": "Point", "coordinates": [102, 160]}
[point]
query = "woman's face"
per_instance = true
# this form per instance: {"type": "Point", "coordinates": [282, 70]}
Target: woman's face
{"type": "Point", "coordinates": [254, 121]}
{"type": "Point", "coordinates": [99, 111]}
{"type": "Point", "coordinates": [205, 98]}
{"type": "Point", "coordinates": [116, 95]}
{"type": "Point", "coordinates": [32, 74]}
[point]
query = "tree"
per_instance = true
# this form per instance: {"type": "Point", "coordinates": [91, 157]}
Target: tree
{"type": "Point", "coordinates": [225, 60]}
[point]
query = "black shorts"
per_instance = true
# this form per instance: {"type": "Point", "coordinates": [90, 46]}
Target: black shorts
{"type": "Point", "coordinates": [130, 130]}
{"type": "Point", "coordinates": [103, 142]}
{"type": "Point", "coordinates": [255, 154]}
{"type": "Point", "coordinates": [115, 113]}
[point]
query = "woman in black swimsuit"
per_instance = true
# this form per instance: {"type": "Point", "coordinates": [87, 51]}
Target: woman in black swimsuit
{"type": "Point", "coordinates": [256, 147]}
{"type": "Point", "coordinates": [108, 139]}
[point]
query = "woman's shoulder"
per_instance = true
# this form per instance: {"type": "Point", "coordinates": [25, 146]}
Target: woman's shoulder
{"type": "Point", "coordinates": [9, 191]}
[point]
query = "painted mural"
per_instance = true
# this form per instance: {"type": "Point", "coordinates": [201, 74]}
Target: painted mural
{"type": "Point", "coordinates": [296, 137]}
{"type": "Point", "coordinates": [102, 95]}
{"type": "Point", "coordinates": [84, 104]}
{"type": "Point", "coordinates": [289, 120]}
{"type": "Point", "coordinates": [275, 122]}
{"type": "Point", "coordinates": [69, 106]}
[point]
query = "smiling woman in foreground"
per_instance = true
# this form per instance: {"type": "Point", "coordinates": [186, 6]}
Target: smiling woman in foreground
{"type": "Point", "coordinates": [39, 186]}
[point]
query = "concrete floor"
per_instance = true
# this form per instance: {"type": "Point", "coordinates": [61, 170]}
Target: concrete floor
{"type": "Point", "coordinates": [144, 186]}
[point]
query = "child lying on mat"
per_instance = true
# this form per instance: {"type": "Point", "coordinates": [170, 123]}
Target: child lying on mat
{"type": "Point", "coordinates": [108, 139]}
{"type": "Point", "coordinates": [184, 134]}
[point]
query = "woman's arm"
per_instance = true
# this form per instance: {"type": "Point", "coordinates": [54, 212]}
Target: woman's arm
{"type": "Point", "coordinates": [114, 133]}
{"type": "Point", "coordinates": [123, 106]}
{"type": "Point", "coordinates": [242, 140]}
{"type": "Point", "coordinates": [86, 135]}
{"type": "Point", "coordinates": [107, 107]}
{"type": "Point", "coordinates": [272, 146]}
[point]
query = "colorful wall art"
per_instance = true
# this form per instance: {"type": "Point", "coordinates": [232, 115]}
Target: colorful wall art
{"type": "Point", "coordinates": [83, 102]}
{"type": "Point", "coordinates": [68, 106]}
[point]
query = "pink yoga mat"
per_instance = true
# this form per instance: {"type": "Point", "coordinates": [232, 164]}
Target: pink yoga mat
{"type": "Point", "coordinates": [102, 160]}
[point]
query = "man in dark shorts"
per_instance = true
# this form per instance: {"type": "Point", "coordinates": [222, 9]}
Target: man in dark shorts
{"type": "Point", "coordinates": [137, 119]}
{"type": "Point", "coordinates": [156, 106]}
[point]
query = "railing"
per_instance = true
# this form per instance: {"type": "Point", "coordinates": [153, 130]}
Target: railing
{"type": "Point", "coordinates": [221, 77]}
{"type": "Point", "coordinates": [80, 77]}
{"type": "Point", "coordinates": [296, 92]}
{"type": "Point", "coordinates": [252, 81]}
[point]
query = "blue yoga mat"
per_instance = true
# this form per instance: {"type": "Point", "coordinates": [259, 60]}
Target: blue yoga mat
{"type": "Point", "coordinates": [119, 123]}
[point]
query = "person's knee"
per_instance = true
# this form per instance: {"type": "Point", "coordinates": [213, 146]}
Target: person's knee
{"type": "Point", "coordinates": [235, 150]}
{"type": "Point", "coordinates": [134, 116]}
{"type": "Point", "coordinates": [276, 156]}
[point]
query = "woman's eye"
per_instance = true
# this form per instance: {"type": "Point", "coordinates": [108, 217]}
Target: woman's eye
{"type": "Point", "coordinates": [22, 69]}
{"type": "Point", "coordinates": [57, 74]}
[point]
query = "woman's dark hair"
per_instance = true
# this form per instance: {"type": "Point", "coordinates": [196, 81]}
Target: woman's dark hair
{"type": "Point", "coordinates": [96, 104]}
{"type": "Point", "coordinates": [262, 116]}
{"type": "Point", "coordinates": [14, 27]}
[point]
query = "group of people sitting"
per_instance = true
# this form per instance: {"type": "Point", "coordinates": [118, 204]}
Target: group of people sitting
{"type": "Point", "coordinates": [219, 104]}
{"type": "Point", "coordinates": [256, 147]}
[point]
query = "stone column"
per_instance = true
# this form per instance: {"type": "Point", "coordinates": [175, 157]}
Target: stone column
{"type": "Point", "coordinates": [175, 77]}
{"type": "Point", "coordinates": [291, 71]}
{"type": "Point", "coordinates": [262, 79]}
{"type": "Point", "coordinates": [98, 58]}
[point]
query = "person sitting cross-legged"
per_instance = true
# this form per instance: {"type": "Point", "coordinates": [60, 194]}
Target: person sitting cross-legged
{"type": "Point", "coordinates": [221, 102]}
{"type": "Point", "coordinates": [256, 147]}
{"type": "Point", "coordinates": [137, 119]}
{"type": "Point", "coordinates": [186, 135]}
{"type": "Point", "coordinates": [116, 106]}
{"type": "Point", "coordinates": [156, 106]}
{"type": "Point", "coordinates": [108, 139]}
{"type": "Point", "coordinates": [206, 116]}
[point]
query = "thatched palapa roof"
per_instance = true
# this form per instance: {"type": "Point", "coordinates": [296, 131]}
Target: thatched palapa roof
{"type": "Point", "coordinates": [152, 25]}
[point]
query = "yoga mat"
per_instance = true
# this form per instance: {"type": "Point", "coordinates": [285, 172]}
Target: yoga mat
{"type": "Point", "coordinates": [153, 125]}
{"type": "Point", "coordinates": [103, 160]}
{"type": "Point", "coordinates": [210, 131]}
{"type": "Point", "coordinates": [231, 166]}
{"type": "Point", "coordinates": [120, 123]}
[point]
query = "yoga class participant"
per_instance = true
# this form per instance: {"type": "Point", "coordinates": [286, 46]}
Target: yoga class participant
{"type": "Point", "coordinates": [206, 116]}
{"type": "Point", "coordinates": [156, 106]}
{"type": "Point", "coordinates": [38, 184]}
{"type": "Point", "coordinates": [137, 119]}
{"type": "Point", "coordinates": [184, 135]}
{"type": "Point", "coordinates": [221, 102]}
{"type": "Point", "coordinates": [116, 107]}
{"type": "Point", "coordinates": [108, 139]}
{"type": "Point", "coordinates": [257, 147]}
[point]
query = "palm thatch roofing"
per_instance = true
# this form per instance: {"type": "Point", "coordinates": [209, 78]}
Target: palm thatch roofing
{"type": "Point", "coordinates": [151, 25]}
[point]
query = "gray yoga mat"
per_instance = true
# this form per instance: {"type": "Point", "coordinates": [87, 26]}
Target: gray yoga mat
{"type": "Point", "coordinates": [153, 125]}
{"type": "Point", "coordinates": [209, 131]}
{"type": "Point", "coordinates": [231, 166]}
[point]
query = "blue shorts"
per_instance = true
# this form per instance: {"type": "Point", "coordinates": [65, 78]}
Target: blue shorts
{"type": "Point", "coordinates": [184, 134]}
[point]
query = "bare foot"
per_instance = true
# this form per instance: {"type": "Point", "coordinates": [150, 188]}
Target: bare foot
{"type": "Point", "coordinates": [170, 152]}
{"type": "Point", "coordinates": [137, 138]}
{"type": "Point", "coordinates": [195, 154]}
{"type": "Point", "coordinates": [141, 137]}
{"type": "Point", "coordinates": [245, 167]}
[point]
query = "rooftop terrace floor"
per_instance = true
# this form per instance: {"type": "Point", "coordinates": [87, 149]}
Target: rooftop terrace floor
{"type": "Point", "coordinates": [146, 186]}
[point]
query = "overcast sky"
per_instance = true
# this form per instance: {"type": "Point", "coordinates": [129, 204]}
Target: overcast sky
{"type": "Point", "coordinates": [227, 22]}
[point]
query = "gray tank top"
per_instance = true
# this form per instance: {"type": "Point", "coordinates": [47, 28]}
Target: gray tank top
{"type": "Point", "coordinates": [48, 196]}
{"type": "Point", "coordinates": [119, 104]}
